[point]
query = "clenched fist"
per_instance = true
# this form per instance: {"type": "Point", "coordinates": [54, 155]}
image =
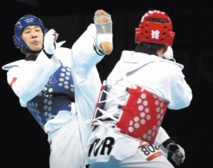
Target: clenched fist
{"type": "Point", "coordinates": [50, 42]}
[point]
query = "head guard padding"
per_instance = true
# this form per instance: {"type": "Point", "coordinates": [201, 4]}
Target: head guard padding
{"type": "Point", "coordinates": [155, 27]}
{"type": "Point", "coordinates": [23, 22]}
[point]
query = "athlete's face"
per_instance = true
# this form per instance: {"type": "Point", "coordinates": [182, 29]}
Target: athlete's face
{"type": "Point", "coordinates": [33, 36]}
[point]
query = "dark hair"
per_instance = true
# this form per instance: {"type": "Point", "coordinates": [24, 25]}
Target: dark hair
{"type": "Point", "coordinates": [149, 48]}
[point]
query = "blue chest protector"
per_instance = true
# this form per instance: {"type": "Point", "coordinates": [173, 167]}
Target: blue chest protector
{"type": "Point", "coordinates": [56, 95]}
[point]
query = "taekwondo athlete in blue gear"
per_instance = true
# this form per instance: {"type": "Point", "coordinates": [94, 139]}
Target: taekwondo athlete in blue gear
{"type": "Point", "coordinates": [59, 86]}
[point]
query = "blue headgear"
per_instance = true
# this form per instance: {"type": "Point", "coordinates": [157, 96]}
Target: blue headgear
{"type": "Point", "coordinates": [23, 22]}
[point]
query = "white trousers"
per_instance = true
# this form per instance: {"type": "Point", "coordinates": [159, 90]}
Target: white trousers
{"type": "Point", "coordinates": [109, 149]}
{"type": "Point", "coordinates": [66, 146]}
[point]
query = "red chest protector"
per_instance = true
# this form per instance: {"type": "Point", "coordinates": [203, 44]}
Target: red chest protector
{"type": "Point", "coordinates": [142, 115]}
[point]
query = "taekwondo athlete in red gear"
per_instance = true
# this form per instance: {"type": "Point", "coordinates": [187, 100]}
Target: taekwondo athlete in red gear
{"type": "Point", "coordinates": [59, 86]}
{"type": "Point", "coordinates": [133, 101]}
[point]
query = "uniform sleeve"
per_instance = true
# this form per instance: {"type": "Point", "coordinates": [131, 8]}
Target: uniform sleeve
{"type": "Point", "coordinates": [29, 78]}
{"type": "Point", "coordinates": [85, 74]}
{"type": "Point", "coordinates": [161, 136]}
{"type": "Point", "coordinates": [180, 93]}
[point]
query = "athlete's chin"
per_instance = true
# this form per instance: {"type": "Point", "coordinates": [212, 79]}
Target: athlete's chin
{"type": "Point", "coordinates": [36, 48]}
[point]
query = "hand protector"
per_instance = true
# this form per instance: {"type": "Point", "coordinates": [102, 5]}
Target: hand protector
{"type": "Point", "coordinates": [50, 42]}
{"type": "Point", "coordinates": [169, 54]}
{"type": "Point", "coordinates": [175, 151]}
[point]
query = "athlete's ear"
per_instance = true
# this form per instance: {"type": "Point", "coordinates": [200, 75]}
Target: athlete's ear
{"type": "Point", "coordinates": [56, 36]}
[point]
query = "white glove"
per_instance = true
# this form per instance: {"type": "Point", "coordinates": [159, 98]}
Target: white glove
{"type": "Point", "coordinates": [179, 156]}
{"type": "Point", "coordinates": [175, 151]}
{"type": "Point", "coordinates": [169, 54]}
{"type": "Point", "coordinates": [49, 42]}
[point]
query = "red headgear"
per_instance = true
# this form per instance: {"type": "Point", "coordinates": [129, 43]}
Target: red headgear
{"type": "Point", "coordinates": [155, 27]}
